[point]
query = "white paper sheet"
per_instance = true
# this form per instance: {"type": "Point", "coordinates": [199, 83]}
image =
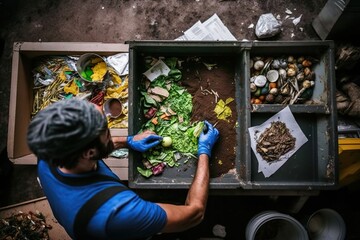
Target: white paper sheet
{"type": "Point", "coordinates": [286, 117]}
{"type": "Point", "coordinates": [213, 29]}
{"type": "Point", "coordinates": [217, 29]}
{"type": "Point", "coordinates": [198, 32]}
{"type": "Point", "coordinates": [159, 68]}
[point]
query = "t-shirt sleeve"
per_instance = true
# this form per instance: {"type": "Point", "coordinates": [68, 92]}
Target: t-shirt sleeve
{"type": "Point", "coordinates": [136, 218]}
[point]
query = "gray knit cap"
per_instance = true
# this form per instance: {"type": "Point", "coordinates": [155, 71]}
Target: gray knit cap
{"type": "Point", "coordinates": [64, 127]}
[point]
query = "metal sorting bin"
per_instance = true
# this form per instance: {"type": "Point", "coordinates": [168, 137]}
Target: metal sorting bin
{"type": "Point", "coordinates": [313, 166]}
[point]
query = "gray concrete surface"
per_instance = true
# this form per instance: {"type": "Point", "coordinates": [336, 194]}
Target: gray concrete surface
{"type": "Point", "coordinates": [118, 21]}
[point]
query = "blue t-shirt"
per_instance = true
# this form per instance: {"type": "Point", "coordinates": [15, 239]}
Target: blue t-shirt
{"type": "Point", "coordinates": [123, 216]}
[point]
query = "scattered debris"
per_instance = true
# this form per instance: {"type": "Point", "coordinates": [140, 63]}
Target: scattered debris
{"type": "Point", "coordinates": [297, 20]}
{"type": "Point", "coordinates": [219, 231]}
{"type": "Point", "coordinates": [207, 92]}
{"type": "Point", "coordinates": [209, 66]}
{"type": "Point", "coordinates": [287, 11]}
{"type": "Point", "coordinates": [30, 226]}
{"type": "Point", "coordinates": [251, 26]}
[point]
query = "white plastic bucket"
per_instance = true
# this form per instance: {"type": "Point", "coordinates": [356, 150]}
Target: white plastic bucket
{"type": "Point", "coordinates": [326, 224]}
{"type": "Point", "coordinates": [272, 225]}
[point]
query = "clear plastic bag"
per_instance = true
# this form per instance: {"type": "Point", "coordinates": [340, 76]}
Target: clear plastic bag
{"type": "Point", "coordinates": [267, 26]}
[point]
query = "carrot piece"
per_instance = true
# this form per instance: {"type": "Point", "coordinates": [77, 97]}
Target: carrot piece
{"type": "Point", "coordinates": [154, 121]}
{"type": "Point", "coordinates": [165, 117]}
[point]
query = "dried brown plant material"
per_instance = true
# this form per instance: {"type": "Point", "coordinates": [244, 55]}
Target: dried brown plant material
{"type": "Point", "coordinates": [30, 226]}
{"type": "Point", "coordinates": [275, 141]}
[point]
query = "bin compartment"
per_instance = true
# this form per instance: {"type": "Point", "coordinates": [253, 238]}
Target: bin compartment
{"type": "Point", "coordinates": [315, 164]}
{"type": "Point", "coordinates": [210, 73]}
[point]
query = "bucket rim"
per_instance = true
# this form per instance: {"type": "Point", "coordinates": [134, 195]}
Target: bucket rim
{"type": "Point", "coordinates": [267, 216]}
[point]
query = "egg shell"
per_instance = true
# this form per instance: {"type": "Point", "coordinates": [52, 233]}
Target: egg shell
{"type": "Point", "coordinates": [272, 75]}
{"type": "Point", "coordinates": [260, 81]}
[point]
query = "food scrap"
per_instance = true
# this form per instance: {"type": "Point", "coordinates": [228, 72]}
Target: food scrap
{"type": "Point", "coordinates": [167, 106]}
{"type": "Point", "coordinates": [99, 71]}
{"type": "Point", "coordinates": [57, 78]}
{"type": "Point", "coordinates": [222, 110]}
{"type": "Point", "coordinates": [282, 80]}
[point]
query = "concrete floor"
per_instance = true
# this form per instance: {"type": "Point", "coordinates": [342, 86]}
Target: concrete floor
{"type": "Point", "coordinates": [118, 21]}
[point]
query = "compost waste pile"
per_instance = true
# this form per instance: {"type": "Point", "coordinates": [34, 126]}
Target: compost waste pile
{"type": "Point", "coordinates": [31, 226]}
{"type": "Point", "coordinates": [57, 78]}
{"type": "Point", "coordinates": [176, 103]}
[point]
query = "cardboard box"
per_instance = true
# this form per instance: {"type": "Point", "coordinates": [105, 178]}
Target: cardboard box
{"type": "Point", "coordinates": [21, 95]}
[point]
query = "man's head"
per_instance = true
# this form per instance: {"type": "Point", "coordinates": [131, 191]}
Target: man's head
{"type": "Point", "coordinates": [64, 130]}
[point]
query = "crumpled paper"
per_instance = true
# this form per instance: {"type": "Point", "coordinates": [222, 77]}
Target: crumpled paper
{"type": "Point", "coordinates": [285, 116]}
{"type": "Point", "coordinates": [120, 63]}
{"type": "Point", "coordinates": [267, 26]}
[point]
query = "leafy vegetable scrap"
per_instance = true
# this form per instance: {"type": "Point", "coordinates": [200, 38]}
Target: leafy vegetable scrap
{"type": "Point", "coordinates": [168, 107]}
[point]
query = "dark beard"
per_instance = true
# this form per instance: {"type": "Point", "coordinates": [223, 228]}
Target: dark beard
{"type": "Point", "coordinates": [103, 150]}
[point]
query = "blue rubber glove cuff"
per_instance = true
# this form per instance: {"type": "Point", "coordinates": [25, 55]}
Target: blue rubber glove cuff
{"type": "Point", "coordinates": [144, 144]}
{"type": "Point", "coordinates": [204, 149]}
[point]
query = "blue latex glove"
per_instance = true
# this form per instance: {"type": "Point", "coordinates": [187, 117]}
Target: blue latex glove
{"type": "Point", "coordinates": [144, 144]}
{"type": "Point", "coordinates": [207, 139]}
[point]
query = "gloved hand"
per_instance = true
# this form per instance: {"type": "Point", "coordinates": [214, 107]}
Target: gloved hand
{"type": "Point", "coordinates": [144, 141]}
{"type": "Point", "coordinates": [207, 139]}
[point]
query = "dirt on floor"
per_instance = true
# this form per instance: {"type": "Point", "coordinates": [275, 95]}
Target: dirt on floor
{"type": "Point", "coordinates": [119, 21]}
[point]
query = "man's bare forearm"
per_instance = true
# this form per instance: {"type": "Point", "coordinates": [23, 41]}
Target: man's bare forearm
{"type": "Point", "coordinates": [119, 142]}
{"type": "Point", "coordinates": [199, 190]}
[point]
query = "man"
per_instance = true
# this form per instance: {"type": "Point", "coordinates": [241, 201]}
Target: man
{"type": "Point", "coordinates": [70, 138]}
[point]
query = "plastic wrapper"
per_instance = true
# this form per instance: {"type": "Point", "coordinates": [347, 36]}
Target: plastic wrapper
{"type": "Point", "coordinates": [120, 153]}
{"type": "Point", "coordinates": [267, 26]}
{"type": "Point", "coordinates": [120, 62]}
